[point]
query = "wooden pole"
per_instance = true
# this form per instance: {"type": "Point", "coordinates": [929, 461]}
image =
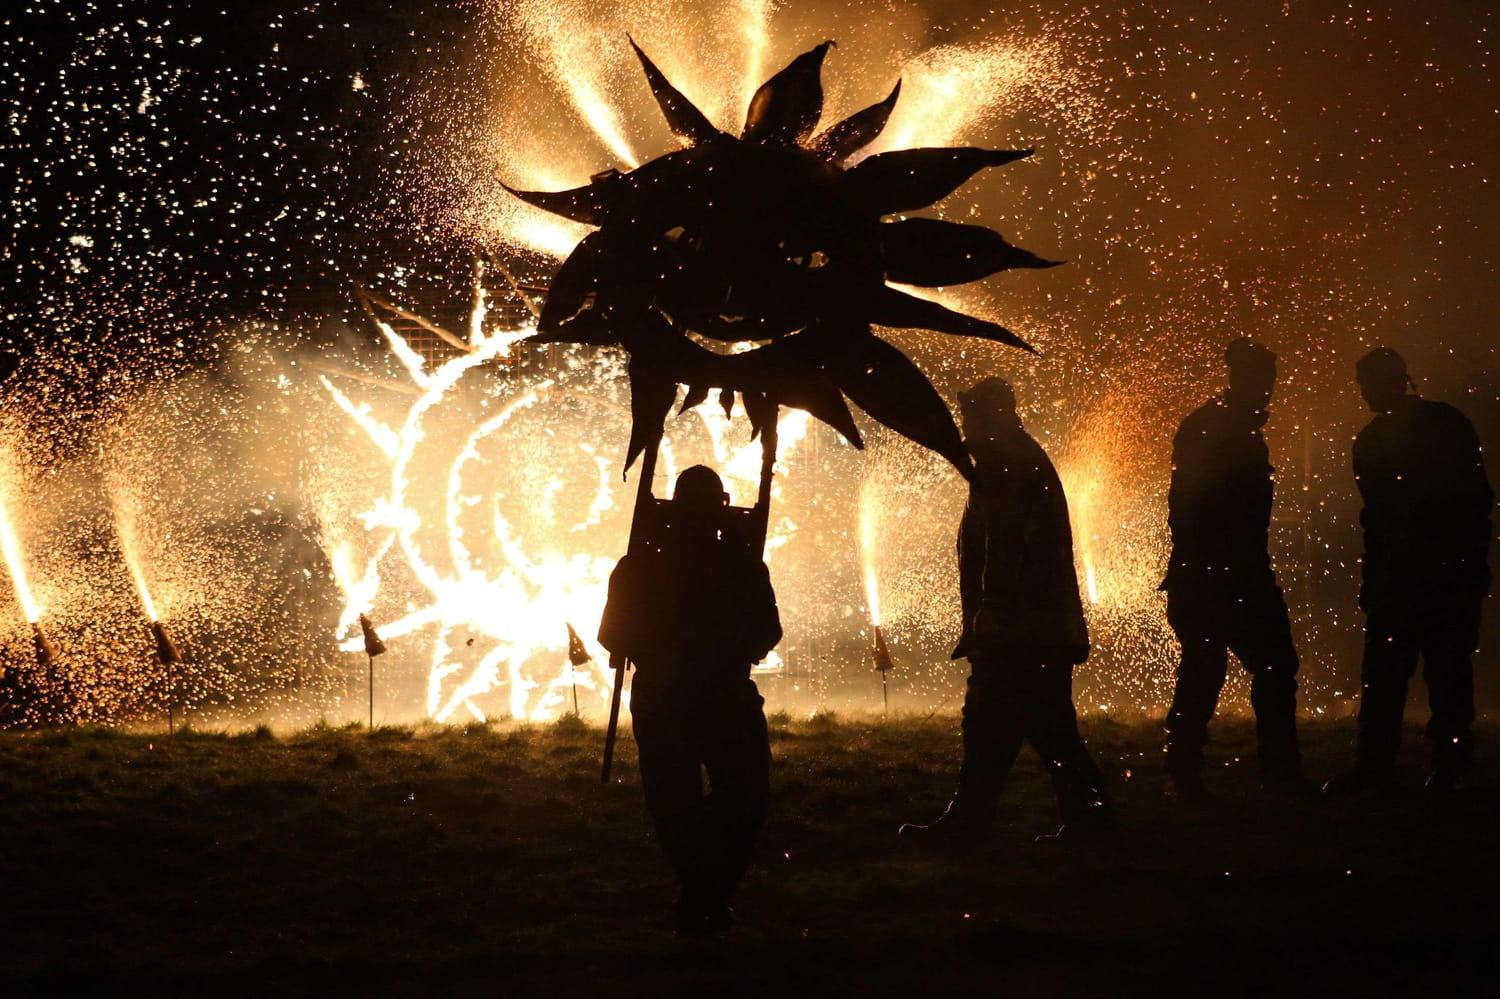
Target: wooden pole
{"type": "Point", "coordinates": [644, 509]}
{"type": "Point", "coordinates": [367, 297]}
{"type": "Point", "coordinates": [768, 444]}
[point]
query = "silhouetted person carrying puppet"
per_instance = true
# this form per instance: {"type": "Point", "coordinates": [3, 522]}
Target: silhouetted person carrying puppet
{"type": "Point", "coordinates": [1221, 591]}
{"type": "Point", "coordinates": [693, 609]}
{"type": "Point", "coordinates": [1425, 572]}
{"type": "Point", "coordinates": [1023, 631]}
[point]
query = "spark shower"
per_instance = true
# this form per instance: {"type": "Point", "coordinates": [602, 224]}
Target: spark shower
{"type": "Point", "coordinates": [1200, 171]}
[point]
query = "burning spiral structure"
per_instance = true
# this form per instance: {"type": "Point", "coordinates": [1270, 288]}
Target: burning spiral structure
{"type": "Point", "coordinates": [496, 493]}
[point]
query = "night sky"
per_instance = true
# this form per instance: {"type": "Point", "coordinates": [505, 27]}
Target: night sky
{"type": "Point", "coordinates": [170, 168]}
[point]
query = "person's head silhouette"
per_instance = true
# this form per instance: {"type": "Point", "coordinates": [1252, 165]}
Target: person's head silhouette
{"type": "Point", "coordinates": [698, 498]}
{"type": "Point", "coordinates": [987, 406]}
{"type": "Point", "coordinates": [1252, 374]}
{"type": "Point", "coordinates": [1382, 378]}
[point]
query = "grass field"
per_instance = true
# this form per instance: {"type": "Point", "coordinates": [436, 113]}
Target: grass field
{"type": "Point", "coordinates": [490, 861]}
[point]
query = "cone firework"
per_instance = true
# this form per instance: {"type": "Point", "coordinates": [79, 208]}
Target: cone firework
{"type": "Point", "coordinates": [881, 655]}
{"type": "Point", "coordinates": [578, 653]}
{"type": "Point", "coordinates": [166, 649]}
{"type": "Point", "coordinates": [373, 645]}
{"type": "Point", "coordinates": [46, 655]}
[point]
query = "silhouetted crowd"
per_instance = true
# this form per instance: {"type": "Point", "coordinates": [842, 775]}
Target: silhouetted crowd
{"type": "Point", "coordinates": [693, 611]}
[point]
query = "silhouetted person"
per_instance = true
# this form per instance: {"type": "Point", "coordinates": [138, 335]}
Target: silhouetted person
{"type": "Point", "coordinates": [693, 610]}
{"type": "Point", "coordinates": [1221, 592]}
{"type": "Point", "coordinates": [1023, 630]}
{"type": "Point", "coordinates": [1425, 571]}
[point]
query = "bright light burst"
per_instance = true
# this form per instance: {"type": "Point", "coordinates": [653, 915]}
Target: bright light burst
{"type": "Point", "coordinates": [508, 543]}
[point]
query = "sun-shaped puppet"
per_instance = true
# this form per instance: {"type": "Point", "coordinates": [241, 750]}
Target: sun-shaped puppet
{"type": "Point", "coordinates": [769, 241]}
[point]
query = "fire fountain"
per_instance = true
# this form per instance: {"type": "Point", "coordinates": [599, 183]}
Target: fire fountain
{"type": "Point", "coordinates": [15, 561]}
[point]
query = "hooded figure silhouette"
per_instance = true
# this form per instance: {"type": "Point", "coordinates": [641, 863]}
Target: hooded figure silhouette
{"type": "Point", "coordinates": [693, 609]}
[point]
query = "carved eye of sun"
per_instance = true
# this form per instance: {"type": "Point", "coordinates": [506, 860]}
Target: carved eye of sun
{"type": "Point", "coordinates": [769, 237]}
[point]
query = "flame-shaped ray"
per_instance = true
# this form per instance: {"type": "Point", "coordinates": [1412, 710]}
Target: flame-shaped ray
{"type": "Point", "coordinates": [414, 363]}
{"type": "Point", "coordinates": [383, 436]}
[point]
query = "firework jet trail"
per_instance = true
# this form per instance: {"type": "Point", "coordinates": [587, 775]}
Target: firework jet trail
{"type": "Point", "coordinates": [15, 561]}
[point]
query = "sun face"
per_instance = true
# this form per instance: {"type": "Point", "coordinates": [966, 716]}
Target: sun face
{"type": "Point", "coordinates": [769, 239]}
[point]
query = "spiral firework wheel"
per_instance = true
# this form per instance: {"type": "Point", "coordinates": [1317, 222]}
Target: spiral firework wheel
{"type": "Point", "coordinates": [479, 540]}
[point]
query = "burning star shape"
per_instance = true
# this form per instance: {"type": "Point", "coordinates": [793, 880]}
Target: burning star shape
{"type": "Point", "coordinates": [769, 241]}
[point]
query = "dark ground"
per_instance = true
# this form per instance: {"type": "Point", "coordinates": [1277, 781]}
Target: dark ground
{"type": "Point", "coordinates": [491, 862]}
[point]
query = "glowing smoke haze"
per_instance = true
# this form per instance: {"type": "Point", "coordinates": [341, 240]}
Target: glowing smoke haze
{"type": "Point", "coordinates": [1308, 174]}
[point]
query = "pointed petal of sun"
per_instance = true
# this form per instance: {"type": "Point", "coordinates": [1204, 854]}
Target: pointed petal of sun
{"type": "Point", "coordinates": [696, 393]}
{"type": "Point", "coordinates": [932, 252]}
{"type": "Point", "coordinates": [651, 396]}
{"type": "Point", "coordinates": [759, 408]}
{"type": "Point", "coordinates": [787, 107]}
{"type": "Point", "coordinates": [726, 399]}
{"type": "Point", "coordinates": [879, 379]}
{"type": "Point", "coordinates": [581, 204]}
{"type": "Point", "coordinates": [818, 396]}
{"type": "Point", "coordinates": [576, 279]}
{"type": "Point", "coordinates": [791, 371]}
{"type": "Point", "coordinates": [683, 117]}
{"type": "Point", "coordinates": [908, 179]}
{"type": "Point", "coordinates": [587, 328]}
{"type": "Point", "coordinates": [856, 131]}
{"type": "Point", "coordinates": [898, 309]}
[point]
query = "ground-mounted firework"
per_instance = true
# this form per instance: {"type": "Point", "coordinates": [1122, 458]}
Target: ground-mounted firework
{"type": "Point", "coordinates": [769, 239]}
